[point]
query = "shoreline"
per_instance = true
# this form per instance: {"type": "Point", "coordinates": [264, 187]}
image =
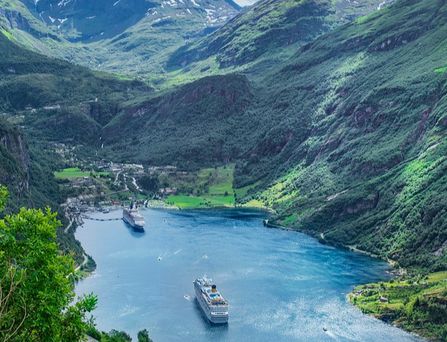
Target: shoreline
{"type": "Point", "coordinates": [395, 271]}
{"type": "Point", "coordinates": [321, 238]}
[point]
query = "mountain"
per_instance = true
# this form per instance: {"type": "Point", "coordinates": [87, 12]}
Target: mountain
{"type": "Point", "coordinates": [14, 160]}
{"type": "Point", "coordinates": [36, 85]}
{"type": "Point", "coordinates": [26, 170]}
{"type": "Point", "coordinates": [56, 99]}
{"type": "Point", "coordinates": [269, 32]}
{"type": "Point", "coordinates": [42, 101]}
{"type": "Point", "coordinates": [86, 20]}
{"type": "Point", "coordinates": [189, 117]}
{"type": "Point", "coordinates": [345, 140]}
{"type": "Point", "coordinates": [125, 36]}
{"type": "Point", "coordinates": [361, 135]}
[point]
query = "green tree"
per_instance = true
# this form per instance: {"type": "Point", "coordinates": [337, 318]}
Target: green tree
{"type": "Point", "coordinates": [36, 286]}
{"type": "Point", "coordinates": [149, 183]}
{"type": "Point", "coordinates": [116, 336]}
{"type": "Point", "coordinates": [143, 336]}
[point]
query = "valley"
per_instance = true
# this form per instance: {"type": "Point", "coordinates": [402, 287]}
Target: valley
{"type": "Point", "coordinates": [331, 115]}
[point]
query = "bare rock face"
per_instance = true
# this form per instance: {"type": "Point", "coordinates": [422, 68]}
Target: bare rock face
{"type": "Point", "coordinates": [14, 168]}
{"type": "Point", "coordinates": [15, 19]}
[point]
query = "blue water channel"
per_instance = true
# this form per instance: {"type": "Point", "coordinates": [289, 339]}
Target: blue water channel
{"type": "Point", "coordinates": [281, 285]}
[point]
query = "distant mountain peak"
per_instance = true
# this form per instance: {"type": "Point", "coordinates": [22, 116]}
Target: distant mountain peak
{"type": "Point", "coordinates": [85, 20]}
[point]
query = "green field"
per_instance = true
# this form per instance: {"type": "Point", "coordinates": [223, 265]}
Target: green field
{"type": "Point", "coordinates": [418, 303]}
{"type": "Point", "coordinates": [209, 187]}
{"type": "Point", "coordinates": [75, 172]}
{"type": "Point", "coordinates": [195, 202]}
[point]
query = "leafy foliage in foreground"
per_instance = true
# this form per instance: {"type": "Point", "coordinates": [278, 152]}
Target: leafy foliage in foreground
{"type": "Point", "coordinates": [117, 336]}
{"type": "Point", "coordinates": [36, 286]}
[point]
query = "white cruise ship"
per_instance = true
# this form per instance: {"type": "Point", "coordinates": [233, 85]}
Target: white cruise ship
{"type": "Point", "coordinates": [133, 218]}
{"type": "Point", "coordinates": [213, 304]}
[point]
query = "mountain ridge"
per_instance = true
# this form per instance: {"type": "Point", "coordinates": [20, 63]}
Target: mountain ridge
{"type": "Point", "coordinates": [113, 37]}
{"type": "Point", "coordinates": [269, 29]}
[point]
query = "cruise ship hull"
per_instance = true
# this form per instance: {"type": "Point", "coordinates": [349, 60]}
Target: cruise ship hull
{"type": "Point", "coordinates": [133, 225]}
{"type": "Point", "coordinates": [127, 219]}
{"type": "Point", "coordinates": [214, 314]}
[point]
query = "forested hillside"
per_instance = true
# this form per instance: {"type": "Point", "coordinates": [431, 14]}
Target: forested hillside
{"type": "Point", "coordinates": [364, 111]}
{"type": "Point", "coordinates": [51, 99]}
{"type": "Point", "coordinates": [350, 131]}
{"type": "Point", "coordinates": [42, 101]}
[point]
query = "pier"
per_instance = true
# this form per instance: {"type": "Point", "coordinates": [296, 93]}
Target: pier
{"type": "Point", "coordinates": [101, 219]}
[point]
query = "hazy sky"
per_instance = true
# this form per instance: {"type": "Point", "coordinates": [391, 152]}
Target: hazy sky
{"type": "Point", "coordinates": [245, 2]}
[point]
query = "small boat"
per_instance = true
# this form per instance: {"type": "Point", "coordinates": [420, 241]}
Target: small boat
{"type": "Point", "coordinates": [212, 303]}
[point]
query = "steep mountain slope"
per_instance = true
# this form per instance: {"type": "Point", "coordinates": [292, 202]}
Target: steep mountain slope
{"type": "Point", "coordinates": [126, 36]}
{"type": "Point", "coordinates": [51, 99]}
{"type": "Point", "coordinates": [58, 98]}
{"type": "Point", "coordinates": [188, 126]}
{"type": "Point", "coordinates": [26, 171]}
{"type": "Point", "coordinates": [271, 31]}
{"type": "Point", "coordinates": [346, 141]}
{"type": "Point", "coordinates": [14, 160]}
{"type": "Point", "coordinates": [364, 113]}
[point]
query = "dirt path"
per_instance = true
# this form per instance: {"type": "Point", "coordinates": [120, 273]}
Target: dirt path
{"type": "Point", "coordinates": [83, 263]}
{"type": "Point", "coordinates": [69, 226]}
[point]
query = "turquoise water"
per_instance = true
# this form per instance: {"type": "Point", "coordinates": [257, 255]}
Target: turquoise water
{"type": "Point", "coordinates": [282, 286]}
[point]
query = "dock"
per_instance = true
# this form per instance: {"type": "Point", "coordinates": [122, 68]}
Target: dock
{"type": "Point", "coordinates": [101, 219]}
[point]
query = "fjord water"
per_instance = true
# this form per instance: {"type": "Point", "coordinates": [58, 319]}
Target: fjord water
{"type": "Point", "coordinates": [281, 285]}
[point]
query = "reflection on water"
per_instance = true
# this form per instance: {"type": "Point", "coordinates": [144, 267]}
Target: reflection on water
{"type": "Point", "coordinates": [281, 285]}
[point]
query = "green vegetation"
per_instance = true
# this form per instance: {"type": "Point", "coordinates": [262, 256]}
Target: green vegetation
{"type": "Point", "coordinates": [143, 336]}
{"type": "Point", "coordinates": [26, 170]}
{"type": "Point", "coordinates": [36, 286]}
{"type": "Point", "coordinates": [209, 187]}
{"type": "Point", "coordinates": [7, 34]}
{"type": "Point", "coordinates": [74, 172]}
{"type": "Point", "coordinates": [268, 33]}
{"type": "Point", "coordinates": [193, 202]}
{"type": "Point", "coordinates": [185, 201]}
{"type": "Point", "coordinates": [417, 303]}
{"type": "Point", "coordinates": [441, 70]}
